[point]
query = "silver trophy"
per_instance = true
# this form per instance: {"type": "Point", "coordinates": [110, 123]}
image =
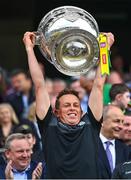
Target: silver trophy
{"type": "Point", "coordinates": [67, 38]}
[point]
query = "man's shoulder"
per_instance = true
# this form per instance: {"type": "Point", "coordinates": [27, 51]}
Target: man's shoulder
{"type": "Point", "coordinates": [12, 96]}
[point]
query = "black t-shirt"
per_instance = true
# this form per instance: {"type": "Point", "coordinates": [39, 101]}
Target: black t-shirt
{"type": "Point", "coordinates": [70, 151]}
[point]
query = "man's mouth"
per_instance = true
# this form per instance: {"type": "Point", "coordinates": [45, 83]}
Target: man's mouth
{"type": "Point", "coordinates": [72, 114]}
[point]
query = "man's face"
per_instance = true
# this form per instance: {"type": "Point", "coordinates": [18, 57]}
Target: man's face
{"type": "Point", "coordinates": [125, 99]}
{"type": "Point", "coordinates": [113, 124]}
{"type": "Point", "coordinates": [19, 153]}
{"type": "Point", "coordinates": [19, 82]}
{"type": "Point", "coordinates": [125, 133]}
{"type": "Point", "coordinates": [69, 111]}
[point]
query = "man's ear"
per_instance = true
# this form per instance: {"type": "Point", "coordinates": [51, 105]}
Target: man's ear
{"type": "Point", "coordinates": [118, 97]}
{"type": "Point", "coordinates": [34, 140]}
{"type": "Point", "coordinates": [102, 124]}
{"type": "Point", "coordinates": [56, 112]}
{"type": "Point", "coordinates": [7, 154]}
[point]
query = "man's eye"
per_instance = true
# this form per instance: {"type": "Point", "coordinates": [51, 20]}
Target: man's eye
{"type": "Point", "coordinates": [76, 105]}
{"type": "Point", "coordinates": [66, 105]}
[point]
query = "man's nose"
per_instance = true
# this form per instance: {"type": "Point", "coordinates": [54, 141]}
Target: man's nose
{"type": "Point", "coordinates": [72, 107]}
{"type": "Point", "coordinates": [25, 154]}
{"type": "Point", "coordinates": [120, 125]}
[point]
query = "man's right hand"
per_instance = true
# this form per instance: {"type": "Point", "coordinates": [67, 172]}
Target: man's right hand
{"type": "Point", "coordinates": [29, 40]}
{"type": "Point", "coordinates": [8, 171]}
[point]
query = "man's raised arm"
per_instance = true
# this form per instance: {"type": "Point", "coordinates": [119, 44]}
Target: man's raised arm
{"type": "Point", "coordinates": [42, 97]}
{"type": "Point", "coordinates": [96, 95]}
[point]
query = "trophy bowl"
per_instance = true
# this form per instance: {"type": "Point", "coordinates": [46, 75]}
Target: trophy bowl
{"type": "Point", "coordinates": [67, 38]}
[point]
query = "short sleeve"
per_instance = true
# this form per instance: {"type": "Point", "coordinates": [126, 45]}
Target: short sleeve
{"type": "Point", "coordinates": [43, 124]}
{"type": "Point", "coordinates": [96, 125]}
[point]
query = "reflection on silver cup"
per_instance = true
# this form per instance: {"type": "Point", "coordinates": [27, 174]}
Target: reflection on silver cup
{"type": "Point", "coordinates": [68, 39]}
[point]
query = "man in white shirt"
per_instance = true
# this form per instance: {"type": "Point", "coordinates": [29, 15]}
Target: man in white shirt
{"type": "Point", "coordinates": [116, 152]}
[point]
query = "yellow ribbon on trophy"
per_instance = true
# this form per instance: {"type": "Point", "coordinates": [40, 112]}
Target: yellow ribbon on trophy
{"type": "Point", "coordinates": [104, 55]}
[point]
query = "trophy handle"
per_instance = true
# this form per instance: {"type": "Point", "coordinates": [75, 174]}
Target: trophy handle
{"type": "Point", "coordinates": [39, 40]}
{"type": "Point", "coordinates": [37, 37]}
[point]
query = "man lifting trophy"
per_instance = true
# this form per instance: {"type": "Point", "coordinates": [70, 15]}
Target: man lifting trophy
{"type": "Point", "coordinates": [69, 38]}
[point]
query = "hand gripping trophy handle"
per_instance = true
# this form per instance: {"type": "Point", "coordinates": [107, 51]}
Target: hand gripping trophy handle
{"type": "Point", "coordinates": [40, 41]}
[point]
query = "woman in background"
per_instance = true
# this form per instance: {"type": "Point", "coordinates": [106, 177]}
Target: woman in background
{"type": "Point", "coordinates": [8, 121]}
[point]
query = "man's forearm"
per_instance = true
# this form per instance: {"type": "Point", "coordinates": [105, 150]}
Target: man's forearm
{"type": "Point", "coordinates": [35, 70]}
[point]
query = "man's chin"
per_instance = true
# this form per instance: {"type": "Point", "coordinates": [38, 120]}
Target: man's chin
{"type": "Point", "coordinates": [24, 164]}
{"type": "Point", "coordinates": [73, 122]}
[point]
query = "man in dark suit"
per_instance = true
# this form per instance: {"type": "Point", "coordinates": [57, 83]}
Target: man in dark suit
{"type": "Point", "coordinates": [19, 164]}
{"type": "Point", "coordinates": [116, 152]}
{"type": "Point", "coordinates": [22, 94]}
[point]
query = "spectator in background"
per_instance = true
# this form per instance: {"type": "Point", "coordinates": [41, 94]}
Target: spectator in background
{"type": "Point", "coordinates": [112, 124]}
{"type": "Point", "coordinates": [9, 122]}
{"type": "Point", "coordinates": [58, 86]}
{"type": "Point", "coordinates": [32, 112]}
{"type": "Point", "coordinates": [37, 152]}
{"type": "Point", "coordinates": [75, 85]}
{"type": "Point", "coordinates": [22, 94]}
{"type": "Point", "coordinates": [86, 82]}
{"type": "Point", "coordinates": [114, 78]}
{"type": "Point", "coordinates": [120, 95]}
{"type": "Point", "coordinates": [19, 164]}
{"type": "Point", "coordinates": [32, 117]}
{"type": "Point", "coordinates": [125, 133]}
{"type": "Point", "coordinates": [117, 67]}
{"type": "Point", "coordinates": [117, 63]}
{"type": "Point", "coordinates": [49, 86]}
{"type": "Point", "coordinates": [3, 85]}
